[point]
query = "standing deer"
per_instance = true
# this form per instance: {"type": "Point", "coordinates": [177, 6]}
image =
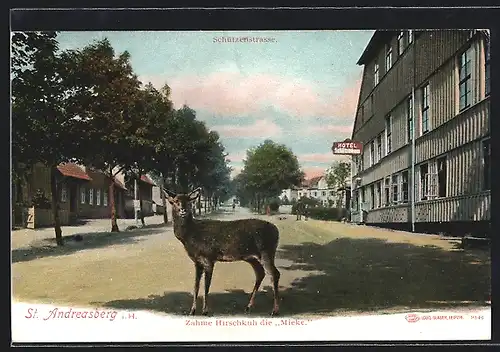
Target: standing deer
{"type": "Point", "coordinates": [208, 241]}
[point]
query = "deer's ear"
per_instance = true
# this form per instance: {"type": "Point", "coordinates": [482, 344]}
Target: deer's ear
{"type": "Point", "coordinates": [170, 196]}
{"type": "Point", "coordinates": [195, 194]}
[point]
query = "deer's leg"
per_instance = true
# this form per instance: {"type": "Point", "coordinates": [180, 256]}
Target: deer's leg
{"type": "Point", "coordinates": [268, 262]}
{"type": "Point", "coordinates": [259, 276]}
{"type": "Point", "coordinates": [208, 269]}
{"type": "Point", "coordinates": [197, 279]}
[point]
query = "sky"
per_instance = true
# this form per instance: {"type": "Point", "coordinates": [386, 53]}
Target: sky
{"type": "Point", "coordinates": [299, 88]}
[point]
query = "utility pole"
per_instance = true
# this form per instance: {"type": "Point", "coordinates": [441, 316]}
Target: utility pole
{"type": "Point", "coordinates": [136, 201]}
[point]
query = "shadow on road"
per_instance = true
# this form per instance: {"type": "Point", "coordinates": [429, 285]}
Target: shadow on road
{"type": "Point", "coordinates": [91, 240]}
{"type": "Point", "coordinates": [354, 275]}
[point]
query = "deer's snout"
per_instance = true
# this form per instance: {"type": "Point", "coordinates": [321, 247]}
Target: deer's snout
{"type": "Point", "coordinates": [182, 212]}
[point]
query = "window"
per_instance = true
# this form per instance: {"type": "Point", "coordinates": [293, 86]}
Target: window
{"type": "Point", "coordinates": [372, 152]}
{"type": "Point", "coordinates": [465, 84]}
{"type": "Point", "coordinates": [432, 180]}
{"type": "Point", "coordinates": [98, 197]}
{"type": "Point", "coordinates": [362, 194]}
{"type": "Point", "coordinates": [401, 44]}
{"type": "Point", "coordinates": [410, 37]}
{"type": "Point", "coordinates": [379, 194]}
{"type": "Point", "coordinates": [371, 105]}
{"type": "Point", "coordinates": [372, 193]}
{"type": "Point", "coordinates": [82, 195]}
{"type": "Point", "coordinates": [387, 191]}
{"type": "Point", "coordinates": [300, 194]}
{"type": "Point", "coordinates": [323, 193]}
{"type": "Point", "coordinates": [64, 193]}
{"type": "Point", "coordinates": [486, 165]}
{"type": "Point", "coordinates": [424, 185]}
{"type": "Point", "coordinates": [91, 196]}
{"type": "Point", "coordinates": [487, 67]}
{"type": "Point", "coordinates": [105, 198]}
{"type": "Point", "coordinates": [376, 73]}
{"type": "Point", "coordinates": [395, 189]}
{"type": "Point", "coordinates": [409, 113]}
{"type": "Point", "coordinates": [379, 147]}
{"type": "Point", "coordinates": [404, 187]}
{"type": "Point", "coordinates": [388, 135]}
{"type": "Point", "coordinates": [441, 164]}
{"type": "Point", "coordinates": [331, 193]}
{"type": "Point", "coordinates": [362, 112]}
{"type": "Point", "coordinates": [315, 194]}
{"type": "Point", "coordinates": [388, 57]}
{"type": "Point", "coordinates": [425, 109]}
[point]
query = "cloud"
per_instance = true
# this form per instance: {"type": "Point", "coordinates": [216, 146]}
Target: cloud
{"type": "Point", "coordinates": [313, 171]}
{"type": "Point", "coordinates": [237, 157]}
{"type": "Point", "coordinates": [235, 171]}
{"type": "Point", "coordinates": [232, 93]}
{"type": "Point", "coordinates": [321, 158]}
{"type": "Point", "coordinates": [260, 128]}
{"type": "Point", "coordinates": [330, 129]}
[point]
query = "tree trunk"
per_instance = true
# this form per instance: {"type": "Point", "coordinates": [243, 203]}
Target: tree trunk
{"type": "Point", "coordinates": [163, 200]}
{"type": "Point", "coordinates": [55, 205]}
{"type": "Point", "coordinates": [114, 225]}
{"type": "Point", "coordinates": [199, 205]}
{"type": "Point", "coordinates": [206, 202]}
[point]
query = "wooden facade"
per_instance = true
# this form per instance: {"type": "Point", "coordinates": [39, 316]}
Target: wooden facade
{"type": "Point", "coordinates": [449, 111]}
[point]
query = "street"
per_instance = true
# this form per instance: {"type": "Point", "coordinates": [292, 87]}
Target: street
{"type": "Point", "coordinates": [327, 268]}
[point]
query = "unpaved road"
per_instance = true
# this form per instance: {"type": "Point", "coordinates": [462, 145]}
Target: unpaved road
{"type": "Point", "coordinates": [327, 268]}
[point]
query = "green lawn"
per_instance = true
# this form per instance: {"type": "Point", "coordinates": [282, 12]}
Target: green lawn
{"type": "Point", "coordinates": [326, 269]}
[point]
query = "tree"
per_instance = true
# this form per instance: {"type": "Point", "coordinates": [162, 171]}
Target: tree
{"type": "Point", "coordinates": [105, 102]}
{"type": "Point", "coordinates": [149, 124]}
{"type": "Point", "coordinates": [162, 157]}
{"type": "Point", "coordinates": [337, 176]}
{"type": "Point", "coordinates": [270, 168]}
{"type": "Point", "coordinates": [42, 129]}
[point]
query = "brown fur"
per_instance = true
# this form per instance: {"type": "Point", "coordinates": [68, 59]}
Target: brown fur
{"type": "Point", "coordinates": [208, 241]}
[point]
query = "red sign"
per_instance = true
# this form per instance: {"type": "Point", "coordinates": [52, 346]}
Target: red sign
{"type": "Point", "coordinates": [347, 148]}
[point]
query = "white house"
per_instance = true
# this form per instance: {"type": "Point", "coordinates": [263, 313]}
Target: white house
{"type": "Point", "coordinates": [317, 188]}
{"type": "Point", "coordinates": [290, 194]}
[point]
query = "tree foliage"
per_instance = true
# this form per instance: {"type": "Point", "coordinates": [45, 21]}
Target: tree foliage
{"type": "Point", "coordinates": [338, 174]}
{"type": "Point", "coordinates": [268, 168]}
{"type": "Point", "coordinates": [88, 105]}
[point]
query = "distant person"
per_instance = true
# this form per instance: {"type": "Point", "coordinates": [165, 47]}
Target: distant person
{"type": "Point", "coordinates": [234, 206]}
{"type": "Point", "coordinates": [306, 211]}
{"type": "Point", "coordinates": [300, 209]}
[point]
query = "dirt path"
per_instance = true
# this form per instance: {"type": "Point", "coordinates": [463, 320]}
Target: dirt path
{"type": "Point", "coordinates": [326, 269]}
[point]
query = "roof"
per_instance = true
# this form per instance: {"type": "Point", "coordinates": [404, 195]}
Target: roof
{"type": "Point", "coordinates": [146, 179]}
{"type": "Point", "coordinates": [73, 170]}
{"type": "Point", "coordinates": [312, 182]}
{"type": "Point", "coordinates": [378, 38]}
{"type": "Point", "coordinates": [119, 184]}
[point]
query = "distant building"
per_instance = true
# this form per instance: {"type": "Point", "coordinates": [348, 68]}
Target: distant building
{"type": "Point", "coordinates": [433, 88]}
{"type": "Point", "coordinates": [290, 194]}
{"type": "Point", "coordinates": [318, 188]}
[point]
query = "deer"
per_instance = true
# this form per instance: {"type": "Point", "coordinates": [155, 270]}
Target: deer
{"type": "Point", "coordinates": [208, 241]}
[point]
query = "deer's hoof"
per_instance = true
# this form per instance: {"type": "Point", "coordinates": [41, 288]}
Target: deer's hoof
{"type": "Point", "coordinates": [248, 309]}
{"type": "Point", "coordinates": [192, 311]}
{"type": "Point", "coordinates": [275, 313]}
{"type": "Point", "coordinates": [205, 313]}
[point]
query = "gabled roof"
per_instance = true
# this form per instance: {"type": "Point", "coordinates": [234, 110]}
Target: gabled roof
{"type": "Point", "coordinates": [378, 38]}
{"type": "Point", "coordinates": [73, 170]}
{"type": "Point", "coordinates": [312, 182]}
{"type": "Point", "coordinates": [119, 184]}
{"type": "Point", "coordinates": [146, 179]}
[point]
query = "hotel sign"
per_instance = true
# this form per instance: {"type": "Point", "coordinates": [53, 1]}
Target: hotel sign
{"type": "Point", "coordinates": [347, 148]}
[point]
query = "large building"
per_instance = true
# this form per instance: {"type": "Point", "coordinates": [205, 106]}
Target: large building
{"type": "Point", "coordinates": [317, 188]}
{"type": "Point", "coordinates": [423, 119]}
